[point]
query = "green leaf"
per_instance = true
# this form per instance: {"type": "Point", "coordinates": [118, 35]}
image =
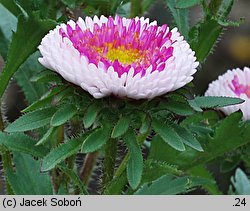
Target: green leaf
{"type": "Point", "coordinates": [202, 172]}
{"type": "Point", "coordinates": [63, 114]}
{"type": "Point", "coordinates": [8, 22]}
{"type": "Point", "coordinates": [46, 136]}
{"type": "Point", "coordinates": [19, 142]}
{"type": "Point", "coordinates": [179, 108]}
{"type": "Point", "coordinates": [27, 178]}
{"type": "Point", "coordinates": [30, 67]}
{"type": "Point", "coordinates": [180, 17]}
{"type": "Point", "coordinates": [207, 119]}
{"type": "Point", "coordinates": [185, 4]}
{"type": "Point", "coordinates": [156, 169]}
{"type": "Point", "coordinates": [41, 74]}
{"type": "Point", "coordinates": [3, 45]}
{"type": "Point", "coordinates": [62, 152]}
{"type": "Point", "coordinates": [124, 10]}
{"type": "Point", "coordinates": [229, 136]}
{"type": "Point", "coordinates": [116, 185]}
{"type": "Point", "coordinates": [214, 102]}
{"type": "Point", "coordinates": [121, 127]}
{"type": "Point", "coordinates": [32, 5]}
{"type": "Point", "coordinates": [135, 161]}
{"type": "Point", "coordinates": [47, 8]}
{"type": "Point", "coordinates": [160, 151]}
{"type": "Point", "coordinates": [188, 138]}
{"type": "Point", "coordinates": [96, 139]}
{"type": "Point", "coordinates": [241, 183]}
{"type": "Point", "coordinates": [32, 27]}
{"type": "Point", "coordinates": [221, 8]}
{"type": "Point", "coordinates": [11, 6]}
{"type": "Point", "coordinates": [245, 156]}
{"type": "Point", "coordinates": [214, 6]}
{"type": "Point", "coordinates": [168, 135]}
{"type": "Point", "coordinates": [75, 179]}
{"type": "Point", "coordinates": [45, 100]}
{"type": "Point", "coordinates": [91, 114]}
{"type": "Point", "coordinates": [146, 124]}
{"type": "Point", "coordinates": [231, 23]}
{"type": "Point", "coordinates": [203, 37]}
{"type": "Point", "coordinates": [32, 120]}
{"type": "Point", "coordinates": [46, 76]}
{"type": "Point", "coordinates": [64, 93]}
{"type": "Point", "coordinates": [230, 163]}
{"type": "Point", "coordinates": [168, 185]}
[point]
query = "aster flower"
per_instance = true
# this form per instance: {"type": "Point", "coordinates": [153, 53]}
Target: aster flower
{"type": "Point", "coordinates": [234, 83]}
{"type": "Point", "coordinates": [123, 57]}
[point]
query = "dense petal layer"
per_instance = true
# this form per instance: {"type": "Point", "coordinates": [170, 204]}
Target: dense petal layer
{"type": "Point", "coordinates": [234, 83]}
{"type": "Point", "coordinates": [124, 57]}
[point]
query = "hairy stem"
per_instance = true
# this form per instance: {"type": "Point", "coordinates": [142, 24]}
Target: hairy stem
{"type": "Point", "coordinates": [76, 128]}
{"type": "Point", "coordinates": [88, 166]}
{"type": "Point", "coordinates": [58, 178]}
{"type": "Point", "coordinates": [109, 162]}
{"type": "Point", "coordinates": [6, 157]}
{"type": "Point", "coordinates": [1, 117]}
{"type": "Point", "coordinates": [55, 180]}
{"type": "Point", "coordinates": [136, 8]}
{"type": "Point", "coordinates": [60, 137]}
{"type": "Point", "coordinates": [120, 174]}
{"type": "Point", "coordinates": [122, 167]}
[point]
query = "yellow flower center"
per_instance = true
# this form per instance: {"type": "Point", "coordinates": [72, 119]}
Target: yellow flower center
{"type": "Point", "coordinates": [123, 55]}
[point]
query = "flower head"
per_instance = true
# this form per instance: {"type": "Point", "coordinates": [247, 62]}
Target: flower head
{"type": "Point", "coordinates": [234, 83]}
{"type": "Point", "coordinates": [124, 57]}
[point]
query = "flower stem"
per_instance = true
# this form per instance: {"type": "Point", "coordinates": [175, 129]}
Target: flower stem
{"type": "Point", "coordinates": [7, 165]}
{"type": "Point", "coordinates": [6, 157]}
{"type": "Point", "coordinates": [57, 179]}
{"type": "Point", "coordinates": [109, 162]}
{"type": "Point", "coordinates": [140, 139]}
{"type": "Point", "coordinates": [1, 117]}
{"type": "Point", "coordinates": [88, 166]}
{"type": "Point", "coordinates": [136, 8]}
{"type": "Point", "coordinates": [60, 137]}
{"type": "Point", "coordinates": [122, 166]}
